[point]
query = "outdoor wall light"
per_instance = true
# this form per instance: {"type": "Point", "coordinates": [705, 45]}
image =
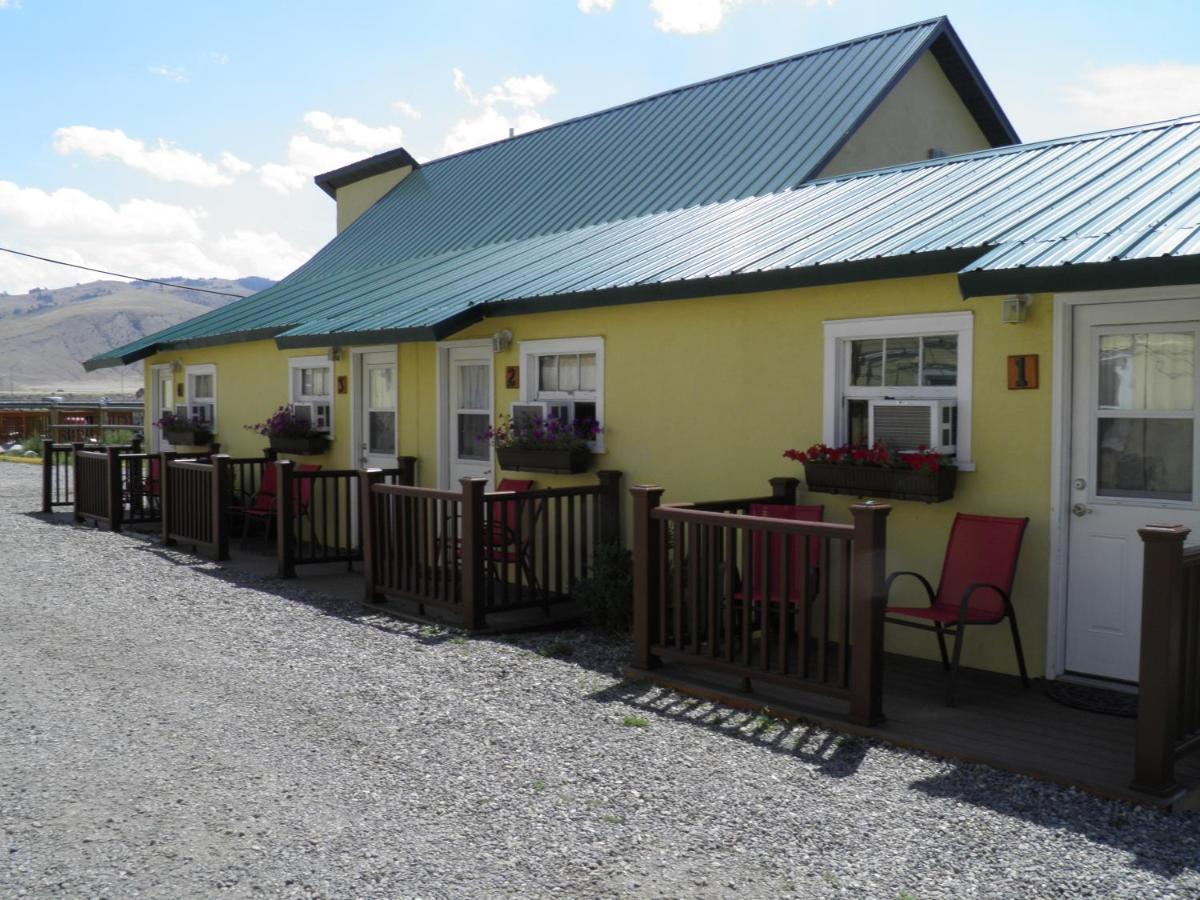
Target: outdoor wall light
{"type": "Point", "coordinates": [1014, 310]}
{"type": "Point", "coordinates": [335, 353]}
{"type": "Point", "coordinates": [501, 341]}
{"type": "Point", "coordinates": [176, 365]}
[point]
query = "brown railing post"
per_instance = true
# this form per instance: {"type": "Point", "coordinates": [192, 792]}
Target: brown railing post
{"type": "Point", "coordinates": [646, 565]}
{"type": "Point", "coordinates": [366, 505]}
{"type": "Point", "coordinates": [285, 536]}
{"type": "Point", "coordinates": [784, 489]}
{"type": "Point", "coordinates": [1158, 667]}
{"type": "Point", "coordinates": [112, 487]}
{"type": "Point", "coordinates": [76, 447]}
{"type": "Point", "coordinates": [866, 611]}
{"type": "Point", "coordinates": [164, 494]}
{"type": "Point", "coordinates": [222, 493]}
{"type": "Point", "coordinates": [47, 475]}
{"type": "Point", "coordinates": [610, 506]}
{"type": "Point", "coordinates": [406, 470]}
{"type": "Point", "coordinates": [472, 552]}
{"type": "Point", "coordinates": [135, 444]}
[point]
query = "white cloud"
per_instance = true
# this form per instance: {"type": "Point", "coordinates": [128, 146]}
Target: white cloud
{"type": "Point", "coordinates": [690, 16]}
{"type": "Point", "coordinates": [219, 58]}
{"type": "Point", "coordinates": [1133, 94]}
{"type": "Point", "coordinates": [406, 109]}
{"type": "Point", "coordinates": [71, 211]}
{"type": "Point", "coordinates": [342, 130]}
{"type": "Point", "coordinates": [233, 165]}
{"type": "Point", "coordinates": [171, 73]}
{"type": "Point", "coordinates": [162, 161]}
{"type": "Point", "coordinates": [306, 158]}
{"type": "Point", "coordinates": [139, 237]}
{"type": "Point", "coordinates": [10, 4]}
{"type": "Point", "coordinates": [590, 6]}
{"type": "Point", "coordinates": [522, 94]}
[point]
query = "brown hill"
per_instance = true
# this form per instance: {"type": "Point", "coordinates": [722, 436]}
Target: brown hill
{"type": "Point", "coordinates": [46, 334]}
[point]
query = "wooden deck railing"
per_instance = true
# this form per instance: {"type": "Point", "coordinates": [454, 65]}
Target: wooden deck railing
{"type": "Point", "coordinates": [1168, 723]}
{"type": "Point", "coordinates": [717, 590]}
{"type": "Point", "coordinates": [473, 553]}
{"type": "Point", "coordinates": [58, 474]}
{"type": "Point", "coordinates": [317, 514]}
{"type": "Point", "coordinates": [195, 500]}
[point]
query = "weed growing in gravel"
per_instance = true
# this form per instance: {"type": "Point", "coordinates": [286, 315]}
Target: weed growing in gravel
{"type": "Point", "coordinates": [632, 721]}
{"type": "Point", "coordinates": [761, 722]}
{"type": "Point", "coordinates": [906, 895]}
{"type": "Point", "coordinates": [459, 639]}
{"type": "Point", "coordinates": [849, 741]}
{"type": "Point", "coordinates": [613, 819]}
{"type": "Point", "coordinates": [539, 785]}
{"type": "Point", "coordinates": [556, 649]}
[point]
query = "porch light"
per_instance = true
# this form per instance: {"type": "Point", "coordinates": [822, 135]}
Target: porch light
{"type": "Point", "coordinates": [335, 353]}
{"type": "Point", "coordinates": [1015, 309]}
{"type": "Point", "coordinates": [501, 341]}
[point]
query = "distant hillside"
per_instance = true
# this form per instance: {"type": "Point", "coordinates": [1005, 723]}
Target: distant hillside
{"type": "Point", "coordinates": [46, 335]}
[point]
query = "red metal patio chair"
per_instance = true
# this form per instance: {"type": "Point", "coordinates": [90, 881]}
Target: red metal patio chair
{"type": "Point", "coordinates": [975, 587]}
{"type": "Point", "coordinates": [752, 582]}
{"type": "Point", "coordinates": [263, 506]}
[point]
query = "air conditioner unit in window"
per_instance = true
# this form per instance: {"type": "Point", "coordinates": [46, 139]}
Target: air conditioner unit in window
{"type": "Point", "coordinates": [528, 410]}
{"type": "Point", "coordinates": [909, 424]}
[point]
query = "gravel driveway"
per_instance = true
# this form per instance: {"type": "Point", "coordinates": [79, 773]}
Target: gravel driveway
{"type": "Point", "coordinates": [170, 729]}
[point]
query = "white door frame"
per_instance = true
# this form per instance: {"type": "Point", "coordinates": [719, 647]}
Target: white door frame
{"type": "Point", "coordinates": [443, 395]}
{"type": "Point", "coordinates": [1060, 450]}
{"type": "Point", "coordinates": [356, 388]}
{"type": "Point", "coordinates": [157, 443]}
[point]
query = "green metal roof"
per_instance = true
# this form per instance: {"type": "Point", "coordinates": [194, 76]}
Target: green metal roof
{"type": "Point", "coordinates": [465, 229]}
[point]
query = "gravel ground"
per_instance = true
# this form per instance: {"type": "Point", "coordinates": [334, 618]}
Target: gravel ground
{"type": "Point", "coordinates": [169, 729]}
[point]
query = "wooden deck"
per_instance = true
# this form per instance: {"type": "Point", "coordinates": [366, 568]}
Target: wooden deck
{"type": "Point", "coordinates": [996, 722]}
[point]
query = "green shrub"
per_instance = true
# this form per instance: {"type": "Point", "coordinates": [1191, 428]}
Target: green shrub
{"type": "Point", "coordinates": [606, 596]}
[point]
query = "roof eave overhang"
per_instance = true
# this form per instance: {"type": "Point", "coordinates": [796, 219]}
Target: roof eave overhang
{"type": "Point", "coordinates": [1158, 271]}
{"type": "Point", "coordinates": [951, 54]}
{"type": "Point", "coordinates": [108, 361]}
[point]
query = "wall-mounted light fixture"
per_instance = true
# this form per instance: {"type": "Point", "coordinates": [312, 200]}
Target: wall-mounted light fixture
{"type": "Point", "coordinates": [335, 353]}
{"type": "Point", "coordinates": [176, 366]}
{"type": "Point", "coordinates": [501, 341]}
{"type": "Point", "coordinates": [1014, 310]}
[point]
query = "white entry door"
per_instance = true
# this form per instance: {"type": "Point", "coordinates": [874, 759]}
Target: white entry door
{"type": "Point", "coordinates": [469, 413]}
{"type": "Point", "coordinates": [376, 384]}
{"type": "Point", "coordinates": [163, 386]}
{"type": "Point", "coordinates": [1133, 463]}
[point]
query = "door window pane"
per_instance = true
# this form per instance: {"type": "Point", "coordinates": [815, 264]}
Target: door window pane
{"type": "Point", "coordinates": [380, 390]}
{"type": "Point", "coordinates": [1147, 371]}
{"type": "Point", "coordinates": [202, 386]}
{"type": "Point", "coordinates": [473, 386]}
{"type": "Point", "coordinates": [903, 362]}
{"type": "Point", "coordinates": [939, 360]}
{"type": "Point", "coordinates": [866, 363]}
{"type": "Point", "coordinates": [381, 432]}
{"type": "Point", "coordinates": [471, 443]}
{"type": "Point", "coordinates": [1144, 458]}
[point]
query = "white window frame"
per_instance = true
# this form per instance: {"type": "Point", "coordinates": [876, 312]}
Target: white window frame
{"type": "Point", "coordinates": [531, 350]}
{"type": "Point", "coordinates": [295, 364]}
{"type": "Point", "coordinates": [840, 332]}
{"type": "Point", "coordinates": [188, 398]}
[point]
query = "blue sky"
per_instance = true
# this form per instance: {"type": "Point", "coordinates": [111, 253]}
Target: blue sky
{"type": "Point", "coordinates": [180, 138]}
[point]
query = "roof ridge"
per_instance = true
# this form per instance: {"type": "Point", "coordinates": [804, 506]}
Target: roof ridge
{"type": "Point", "coordinates": [941, 21]}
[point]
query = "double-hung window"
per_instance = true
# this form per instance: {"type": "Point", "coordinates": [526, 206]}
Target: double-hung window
{"type": "Point", "coordinates": [201, 394]}
{"type": "Point", "coordinates": [566, 378]}
{"type": "Point", "coordinates": [902, 380]}
{"type": "Point", "coordinates": [310, 391]}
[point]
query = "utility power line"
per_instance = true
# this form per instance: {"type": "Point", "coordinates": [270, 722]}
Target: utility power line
{"type": "Point", "coordinates": [61, 262]}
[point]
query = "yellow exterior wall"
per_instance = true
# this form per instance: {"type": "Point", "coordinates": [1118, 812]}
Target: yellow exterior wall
{"type": "Point", "coordinates": [921, 112]}
{"type": "Point", "coordinates": [355, 199]}
{"type": "Point", "coordinates": [703, 396]}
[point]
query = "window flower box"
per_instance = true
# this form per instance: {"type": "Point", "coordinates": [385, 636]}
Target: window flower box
{"type": "Point", "coordinates": [532, 443]}
{"type": "Point", "coordinates": [188, 437]}
{"type": "Point", "coordinates": [569, 461]}
{"type": "Point", "coordinates": [867, 481]}
{"type": "Point", "coordinates": [300, 445]}
{"type": "Point", "coordinates": [877, 472]}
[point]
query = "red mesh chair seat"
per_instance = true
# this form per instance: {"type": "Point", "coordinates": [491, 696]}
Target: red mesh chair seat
{"type": "Point", "coordinates": [263, 500]}
{"type": "Point", "coordinates": [753, 584]}
{"type": "Point", "coordinates": [974, 589]}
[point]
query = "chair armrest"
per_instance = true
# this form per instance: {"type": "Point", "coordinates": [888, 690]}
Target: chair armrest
{"type": "Point", "coordinates": [982, 586]}
{"type": "Point", "coordinates": [887, 585]}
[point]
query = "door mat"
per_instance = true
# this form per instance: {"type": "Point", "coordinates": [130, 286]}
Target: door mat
{"type": "Point", "coordinates": [1093, 699]}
